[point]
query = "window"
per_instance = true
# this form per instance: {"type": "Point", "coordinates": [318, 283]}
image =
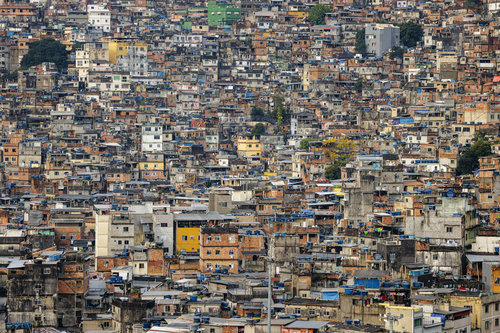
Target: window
{"type": "Point", "coordinates": [125, 242]}
{"type": "Point", "coordinates": [231, 239]}
{"type": "Point", "coordinates": [487, 308]}
{"type": "Point", "coordinates": [141, 265]}
{"type": "Point", "coordinates": [326, 312]}
{"type": "Point", "coordinates": [312, 312]}
{"type": "Point", "coordinates": [46, 271]}
{"type": "Point", "coordinates": [209, 238]}
{"type": "Point", "coordinates": [417, 322]}
{"type": "Point", "coordinates": [119, 242]}
{"type": "Point", "coordinates": [297, 310]}
{"type": "Point", "coordinates": [434, 257]}
{"type": "Point", "coordinates": [209, 252]}
{"type": "Point", "coordinates": [496, 322]}
{"type": "Point", "coordinates": [125, 229]}
{"type": "Point", "coordinates": [449, 229]}
{"type": "Point", "coordinates": [487, 324]}
{"type": "Point", "coordinates": [217, 252]}
{"type": "Point", "coordinates": [164, 225]}
{"type": "Point", "coordinates": [184, 238]}
{"type": "Point", "coordinates": [217, 238]}
{"type": "Point", "coordinates": [231, 252]}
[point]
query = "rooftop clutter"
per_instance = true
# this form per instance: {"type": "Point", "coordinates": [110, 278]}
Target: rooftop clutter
{"type": "Point", "coordinates": [168, 166]}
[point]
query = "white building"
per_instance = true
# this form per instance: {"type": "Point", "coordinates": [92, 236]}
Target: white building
{"type": "Point", "coordinates": [152, 138]}
{"type": "Point", "coordinates": [163, 227]}
{"type": "Point", "coordinates": [82, 63]}
{"type": "Point", "coordinates": [380, 38]}
{"type": "Point", "coordinates": [99, 17]}
{"type": "Point", "coordinates": [114, 231]}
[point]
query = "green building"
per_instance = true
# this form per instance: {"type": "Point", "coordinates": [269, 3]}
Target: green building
{"type": "Point", "coordinates": [221, 13]}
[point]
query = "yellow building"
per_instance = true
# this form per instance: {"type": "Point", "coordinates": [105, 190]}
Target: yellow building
{"type": "Point", "coordinates": [495, 278]}
{"type": "Point", "coordinates": [120, 48]}
{"type": "Point", "coordinates": [298, 14]}
{"type": "Point", "coordinates": [484, 308]}
{"type": "Point", "coordinates": [151, 166]}
{"type": "Point", "coordinates": [249, 146]}
{"type": "Point", "coordinates": [188, 239]}
{"type": "Point", "coordinates": [187, 229]}
{"type": "Point", "coordinates": [411, 318]}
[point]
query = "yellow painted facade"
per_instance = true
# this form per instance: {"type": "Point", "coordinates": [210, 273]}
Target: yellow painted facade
{"type": "Point", "coordinates": [188, 239]}
{"type": "Point", "coordinates": [153, 166]}
{"type": "Point", "coordinates": [117, 48]}
{"type": "Point", "coordinates": [298, 14]}
{"type": "Point", "coordinates": [475, 305]}
{"type": "Point", "coordinates": [495, 276]}
{"type": "Point", "coordinates": [249, 146]}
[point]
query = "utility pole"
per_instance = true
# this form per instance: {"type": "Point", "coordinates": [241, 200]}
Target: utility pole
{"type": "Point", "coordinates": [392, 319]}
{"type": "Point", "coordinates": [269, 295]}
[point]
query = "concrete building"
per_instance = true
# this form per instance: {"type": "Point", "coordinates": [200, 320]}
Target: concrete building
{"type": "Point", "coordinates": [219, 249]}
{"type": "Point", "coordinates": [221, 13]}
{"type": "Point", "coordinates": [380, 38]}
{"type": "Point", "coordinates": [99, 17]}
{"type": "Point", "coordinates": [152, 138]}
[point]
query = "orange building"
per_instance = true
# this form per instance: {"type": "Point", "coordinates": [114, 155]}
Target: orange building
{"type": "Point", "coordinates": [219, 249]}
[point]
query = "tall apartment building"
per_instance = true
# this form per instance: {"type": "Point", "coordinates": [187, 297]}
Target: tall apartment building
{"type": "Point", "coordinates": [99, 17]}
{"type": "Point", "coordinates": [380, 38]}
{"type": "Point", "coordinates": [152, 138]}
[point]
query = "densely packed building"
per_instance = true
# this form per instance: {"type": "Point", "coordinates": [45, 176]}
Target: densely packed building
{"type": "Point", "coordinates": [179, 164]}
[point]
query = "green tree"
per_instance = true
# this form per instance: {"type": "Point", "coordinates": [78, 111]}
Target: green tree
{"type": "Point", "coordinates": [334, 171]}
{"type": "Point", "coordinates": [410, 34]}
{"type": "Point", "coordinates": [305, 143]}
{"type": "Point", "coordinates": [257, 114]}
{"type": "Point", "coordinates": [359, 85]}
{"type": "Point", "coordinates": [280, 115]}
{"type": "Point", "coordinates": [474, 5]}
{"type": "Point", "coordinates": [46, 50]}
{"type": "Point", "coordinates": [360, 41]}
{"type": "Point", "coordinates": [339, 151]}
{"type": "Point", "coordinates": [469, 159]}
{"type": "Point", "coordinates": [259, 129]}
{"type": "Point", "coordinates": [397, 52]}
{"type": "Point", "coordinates": [317, 14]}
